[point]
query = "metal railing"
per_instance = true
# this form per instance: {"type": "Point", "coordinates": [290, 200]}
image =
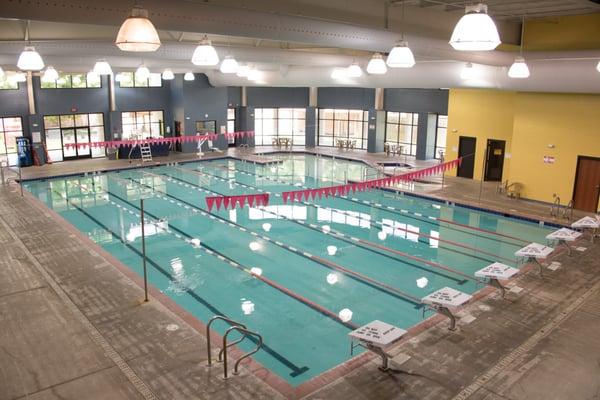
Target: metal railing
{"type": "Point", "coordinates": [235, 326]}
{"type": "Point", "coordinates": [555, 208]}
{"type": "Point", "coordinates": [568, 211]}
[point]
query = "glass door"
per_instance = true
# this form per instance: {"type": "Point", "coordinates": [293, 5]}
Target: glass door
{"type": "Point", "coordinates": [83, 136]}
{"type": "Point", "coordinates": [68, 137]}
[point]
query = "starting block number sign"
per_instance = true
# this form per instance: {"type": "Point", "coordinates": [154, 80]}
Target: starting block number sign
{"type": "Point", "coordinates": [534, 250]}
{"type": "Point", "coordinates": [377, 333]}
{"type": "Point", "coordinates": [586, 222]}
{"type": "Point", "coordinates": [568, 235]}
{"type": "Point", "coordinates": [497, 271]}
{"type": "Point", "coordinates": [446, 297]}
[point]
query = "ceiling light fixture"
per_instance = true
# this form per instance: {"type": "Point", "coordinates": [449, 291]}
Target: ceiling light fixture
{"type": "Point", "coordinates": [1, 72]}
{"type": "Point", "coordinates": [137, 32]}
{"type": "Point", "coordinates": [168, 75]}
{"type": "Point", "coordinates": [339, 73]}
{"type": "Point", "coordinates": [102, 67]}
{"type": "Point", "coordinates": [519, 69]}
{"type": "Point", "coordinates": [142, 72]}
{"type": "Point", "coordinates": [189, 76]}
{"type": "Point", "coordinates": [92, 76]}
{"type": "Point", "coordinates": [598, 66]}
{"type": "Point", "coordinates": [376, 65]}
{"type": "Point", "coordinates": [354, 70]}
{"type": "Point", "coordinates": [401, 55]}
{"type": "Point", "coordinates": [18, 77]}
{"type": "Point", "coordinates": [50, 74]}
{"type": "Point", "coordinates": [30, 60]}
{"type": "Point", "coordinates": [475, 31]}
{"type": "Point", "coordinates": [229, 65]}
{"type": "Point", "coordinates": [254, 75]}
{"type": "Point", "coordinates": [205, 54]}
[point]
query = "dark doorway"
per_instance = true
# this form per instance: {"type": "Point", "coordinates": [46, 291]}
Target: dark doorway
{"type": "Point", "coordinates": [587, 184]}
{"type": "Point", "coordinates": [494, 160]}
{"type": "Point", "coordinates": [466, 150]}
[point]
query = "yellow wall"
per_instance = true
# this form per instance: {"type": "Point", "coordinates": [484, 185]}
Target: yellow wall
{"type": "Point", "coordinates": [483, 114]}
{"type": "Point", "coordinates": [572, 32]}
{"type": "Point", "coordinates": [529, 122]}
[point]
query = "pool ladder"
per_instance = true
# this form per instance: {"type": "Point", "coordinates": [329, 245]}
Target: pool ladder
{"type": "Point", "coordinates": [557, 209]}
{"type": "Point", "coordinates": [235, 326]}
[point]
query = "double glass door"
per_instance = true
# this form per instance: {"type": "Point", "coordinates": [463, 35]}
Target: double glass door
{"type": "Point", "coordinates": [76, 136]}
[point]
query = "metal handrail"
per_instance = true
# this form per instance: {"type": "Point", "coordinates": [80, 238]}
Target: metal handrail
{"type": "Point", "coordinates": [213, 319]}
{"type": "Point", "coordinates": [568, 211]}
{"type": "Point", "coordinates": [245, 333]}
{"type": "Point", "coordinates": [555, 206]}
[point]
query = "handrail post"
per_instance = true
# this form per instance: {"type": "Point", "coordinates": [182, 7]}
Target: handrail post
{"type": "Point", "coordinates": [144, 251]}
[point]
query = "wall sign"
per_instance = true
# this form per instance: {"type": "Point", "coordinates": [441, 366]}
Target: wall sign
{"type": "Point", "coordinates": [549, 159]}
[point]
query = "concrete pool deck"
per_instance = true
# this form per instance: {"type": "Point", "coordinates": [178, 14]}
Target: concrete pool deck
{"type": "Point", "coordinates": [74, 326]}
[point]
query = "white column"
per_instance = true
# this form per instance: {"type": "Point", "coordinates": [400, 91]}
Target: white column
{"type": "Point", "coordinates": [30, 97]}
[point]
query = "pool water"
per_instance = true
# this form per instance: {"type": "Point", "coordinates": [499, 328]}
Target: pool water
{"type": "Point", "coordinates": [391, 249]}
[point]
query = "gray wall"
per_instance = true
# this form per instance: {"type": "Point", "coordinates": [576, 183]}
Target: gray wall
{"type": "Point", "coordinates": [272, 97]}
{"type": "Point", "coordinates": [416, 100]}
{"type": "Point", "coordinates": [342, 97]}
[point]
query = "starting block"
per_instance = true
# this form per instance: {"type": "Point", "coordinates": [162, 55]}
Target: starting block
{"type": "Point", "coordinates": [588, 224]}
{"type": "Point", "coordinates": [376, 336]}
{"type": "Point", "coordinates": [534, 252]}
{"type": "Point", "coordinates": [564, 236]}
{"type": "Point", "coordinates": [441, 300]}
{"type": "Point", "coordinates": [496, 272]}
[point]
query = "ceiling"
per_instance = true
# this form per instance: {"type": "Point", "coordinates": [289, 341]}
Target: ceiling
{"type": "Point", "coordinates": [298, 43]}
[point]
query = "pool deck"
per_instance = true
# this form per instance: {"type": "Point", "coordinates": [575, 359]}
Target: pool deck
{"type": "Point", "coordinates": [74, 325]}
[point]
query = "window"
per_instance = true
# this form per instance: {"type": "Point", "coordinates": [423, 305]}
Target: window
{"type": "Point", "coordinates": [72, 81]}
{"type": "Point", "coordinates": [10, 129]}
{"type": "Point", "coordinates": [336, 124]}
{"type": "Point", "coordinates": [440, 135]}
{"type": "Point", "coordinates": [72, 129]}
{"type": "Point", "coordinates": [270, 123]}
{"type": "Point", "coordinates": [130, 79]}
{"type": "Point", "coordinates": [6, 83]}
{"type": "Point", "coordinates": [401, 129]}
{"type": "Point", "coordinates": [142, 124]}
{"type": "Point", "coordinates": [231, 124]}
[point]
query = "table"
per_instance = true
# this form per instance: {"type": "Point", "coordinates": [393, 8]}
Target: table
{"type": "Point", "coordinates": [286, 142]}
{"type": "Point", "coordinates": [391, 148]}
{"type": "Point", "coordinates": [376, 336]}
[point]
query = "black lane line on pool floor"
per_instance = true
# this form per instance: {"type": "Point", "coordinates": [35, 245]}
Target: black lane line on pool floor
{"type": "Point", "coordinates": [420, 235]}
{"type": "Point", "coordinates": [416, 216]}
{"type": "Point", "coordinates": [296, 371]}
{"type": "Point", "coordinates": [349, 239]}
{"type": "Point", "coordinates": [351, 274]}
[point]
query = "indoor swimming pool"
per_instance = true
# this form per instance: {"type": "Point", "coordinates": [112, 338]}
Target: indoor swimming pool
{"type": "Point", "coordinates": [301, 274]}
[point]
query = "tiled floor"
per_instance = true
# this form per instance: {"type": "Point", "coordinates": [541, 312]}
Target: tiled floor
{"type": "Point", "coordinates": [73, 325]}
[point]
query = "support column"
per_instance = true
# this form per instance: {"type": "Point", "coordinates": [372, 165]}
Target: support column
{"type": "Point", "coordinates": [245, 121]}
{"type": "Point", "coordinates": [376, 131]}
{"type": "Point", "coordinates": [30, 96]}
{"type": "Point", "coordinates": [426, 136]}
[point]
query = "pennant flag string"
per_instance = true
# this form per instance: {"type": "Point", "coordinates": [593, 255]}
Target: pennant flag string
{"type": "Point", "coordinates": [338, 190]}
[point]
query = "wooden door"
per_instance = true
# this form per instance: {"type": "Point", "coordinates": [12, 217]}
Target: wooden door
{"type": "Point", "coordinates": [494, 160]}
{"type": "Point", "coordinates": [587, 184]}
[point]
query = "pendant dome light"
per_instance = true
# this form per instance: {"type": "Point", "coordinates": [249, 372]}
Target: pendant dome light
{"type": "Point", "coordinates": [92, 76]}
{"type": "Point", "coordinates": [50, 75]}
{"type": "Point", "coordinates": [229, 65]}
{"type": "Point", "coordinates": [102, 67]}
{"type": "Point", "coordinates": [475, 31]}
{"type": "Point", "coordinates": [401, 55]}
{"type": "Point", "coordinates": [30, 60]}
{"type": "Point", "coordinates": [519, 69]}
{"type": "Point", "coordinates": [205, 54]}
{"type": "Point", "coordinates": [354, 70]}
{"type": "Point", "coordinates": [137, 32]}
{"type": "Point", "coordinates": [142, 72]}
{"type": "Point", "coordinates": [339, 73]}
{"type": "Point", "coordinates": [376, 66]}
{"type": "Point", "coordinates": [254, 75]}
{"type": "Point", "coordinates": [189, 76]}
{"type": "Point", "coordinates": [598, 66]}
{"type": "Point", "coordinates": [168, 75]}
{"type": "Point", "coordinates": [1, 72]}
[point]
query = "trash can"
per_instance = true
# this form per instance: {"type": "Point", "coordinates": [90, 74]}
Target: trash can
{"type": "Point", "coordinates": [39, 150]}
{"type": "Point", "coordinates": [24, 156]}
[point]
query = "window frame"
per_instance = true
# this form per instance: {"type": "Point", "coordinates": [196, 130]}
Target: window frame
{"type": "Point", "coordinates": [437, 131]}
{"type": "Point", "coordinates": [364, 132]}
{"type": "Point", "coordinates": [414, 128]}
{"type": "Point", "coordinates": [60, 128]}
{"type": "Point", "coordinates": [71, 84]}
{"type": "Point", "coordinates": [3, 132]}
{"type": "Point", "coordinates": [133, 80]}
{"type": "Point", "coordinates": [161, 123]}
{"type": "Point", "coordinates": [276, 117]}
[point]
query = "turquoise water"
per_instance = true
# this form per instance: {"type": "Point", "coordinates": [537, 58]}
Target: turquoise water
{"type": "Point", "coordinates": [302, 289]}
